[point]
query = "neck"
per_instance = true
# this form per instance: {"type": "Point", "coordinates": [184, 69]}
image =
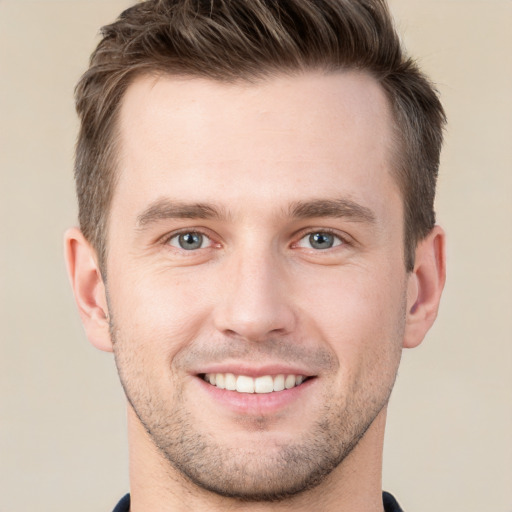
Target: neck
{"type": "Point", "coordinates": [355, 485]}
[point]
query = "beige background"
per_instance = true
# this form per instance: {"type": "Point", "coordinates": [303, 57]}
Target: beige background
{"type": "Point", "coordinates": [62, 433]}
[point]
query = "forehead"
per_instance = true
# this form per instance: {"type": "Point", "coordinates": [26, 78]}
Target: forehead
{"type": "Point", "coordinates": [286, 136]}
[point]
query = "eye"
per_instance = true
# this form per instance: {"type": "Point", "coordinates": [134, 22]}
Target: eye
{"type": "Point", "coordinates": [189, 241]}
{"type": "Point", "coordinates": [320, 240]}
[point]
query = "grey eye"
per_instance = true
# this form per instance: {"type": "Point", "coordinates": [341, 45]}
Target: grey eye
{"type": "Point", "coordinates": [188, 241]}
{"type": "Point", "coordinates": [320, 240]}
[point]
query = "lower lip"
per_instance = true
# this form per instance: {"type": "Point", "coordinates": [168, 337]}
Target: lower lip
{"type": "Point", "coordinates": [256, 403]}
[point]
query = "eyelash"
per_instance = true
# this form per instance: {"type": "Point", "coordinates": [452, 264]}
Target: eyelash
{"type": "Point", "coordinates": [343, 239]}
{"type": "Point", "coordinates": [167, 239]}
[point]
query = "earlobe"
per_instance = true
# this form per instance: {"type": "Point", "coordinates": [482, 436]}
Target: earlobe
{"type": "Point", "coordinates": [88, 288]}
{"type": "Point", "coordinates": [425, 286]}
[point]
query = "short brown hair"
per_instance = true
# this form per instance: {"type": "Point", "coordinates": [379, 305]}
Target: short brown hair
{"type": "Point", "coordinates": [230, 40]}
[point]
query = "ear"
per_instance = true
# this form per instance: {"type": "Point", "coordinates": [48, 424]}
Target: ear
{"type": "Point", "coordinates": [88, 288]}
{"type": "Point", "coordinates": [426, 283]}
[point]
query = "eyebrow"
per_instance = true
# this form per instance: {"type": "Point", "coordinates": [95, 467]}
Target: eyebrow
{"type": "Point", "coordinates": [337, 208]}
{"type": "Point", "coordinates": [165, 209]}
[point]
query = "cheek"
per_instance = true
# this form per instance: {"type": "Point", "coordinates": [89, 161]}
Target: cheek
{"type": "Point", "coordinates": [359, 313]}
{"type": "Point", "coordinates": [158, 312]}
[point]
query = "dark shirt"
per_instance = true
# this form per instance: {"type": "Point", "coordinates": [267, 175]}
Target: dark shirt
{"type": "Point", "coordinates": [123, 505]}
{"type": "Point", "coordinates": [390, 504]}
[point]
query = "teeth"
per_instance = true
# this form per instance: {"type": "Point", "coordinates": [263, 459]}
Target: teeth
{"type": "Point", "coordinates": [230, 382]}
{"type": "Point", "coordinates": [279, 383]}
{"type": "Point", "coordinates": [245, 384]}
{"type": "Point", "coordinates": [219, 381]}
{"type": "Point", "coordinates": [289, 382]}
{"type": "Point", "coordinates": [264, 384]}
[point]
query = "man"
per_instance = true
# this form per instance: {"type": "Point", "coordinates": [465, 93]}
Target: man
{"type": "Point", "coordinates": [257, 245]}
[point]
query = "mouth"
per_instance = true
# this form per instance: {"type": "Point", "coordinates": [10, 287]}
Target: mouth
{"type": "Point", "coordinates": [258, 385]}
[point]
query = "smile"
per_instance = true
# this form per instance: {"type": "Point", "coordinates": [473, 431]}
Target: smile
{"type": "Point", "coordinates": [246, 384]}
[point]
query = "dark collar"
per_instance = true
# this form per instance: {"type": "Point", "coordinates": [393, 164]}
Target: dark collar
{"type": "Point", "coordinates": [390, 504]}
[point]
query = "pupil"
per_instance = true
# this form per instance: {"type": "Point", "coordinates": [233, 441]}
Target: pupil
{"type": "Point", "coordinates": [190, 241]}
{"type": "Point", "coordinates": [321, 240]}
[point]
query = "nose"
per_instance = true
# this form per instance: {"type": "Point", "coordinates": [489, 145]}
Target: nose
{"type": "Point", "coordinates": [255, 302]}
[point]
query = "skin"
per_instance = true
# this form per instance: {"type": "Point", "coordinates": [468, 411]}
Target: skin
{"type": "Point", "coordinates": [271, 163]}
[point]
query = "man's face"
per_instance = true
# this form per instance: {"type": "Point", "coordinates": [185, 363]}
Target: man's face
{"type": "Point", "coordinates": [256, 241]}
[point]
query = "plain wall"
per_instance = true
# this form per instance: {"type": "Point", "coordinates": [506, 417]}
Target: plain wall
{"type": "Point", "coordinates": [62, 425]}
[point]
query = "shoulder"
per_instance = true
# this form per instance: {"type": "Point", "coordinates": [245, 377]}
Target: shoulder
{"type": "Point", "coordinates": [123, 505]}
{"type": "Point", "coordinates": [390, 504]}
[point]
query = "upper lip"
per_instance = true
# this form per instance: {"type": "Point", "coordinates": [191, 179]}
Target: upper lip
{"type": "Point", "coordinates": [252, 370]}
